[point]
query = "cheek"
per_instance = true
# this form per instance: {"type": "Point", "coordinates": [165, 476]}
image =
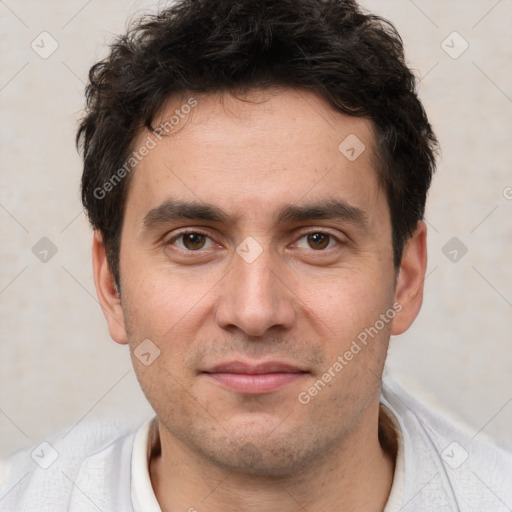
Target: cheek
{"type": "Point", "coordinates": [350, 302]}
{"type": "Point", "coordinates": [159, 299]}
{"type": "Point", "coordinates": [172, 313]}
{"type": "Point", "coordinates": [168, 391]}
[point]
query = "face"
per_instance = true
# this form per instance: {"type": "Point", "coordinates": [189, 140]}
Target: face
{"type": "Point", "coordinates": [258, 287]}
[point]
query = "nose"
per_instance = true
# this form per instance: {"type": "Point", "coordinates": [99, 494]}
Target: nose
{"type": "Point", "coordinates": [255, 297]}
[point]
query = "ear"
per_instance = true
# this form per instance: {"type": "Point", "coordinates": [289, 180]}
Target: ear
{"type": "Point", "coordinates": [108, 297]}
{"type": "Point", "coordinates": [409, 286]}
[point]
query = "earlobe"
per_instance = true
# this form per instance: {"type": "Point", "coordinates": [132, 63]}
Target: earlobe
{"type": "Point", "coordinates": [106, 290]}
{"type": "Point", "coordinates": [409, 286]}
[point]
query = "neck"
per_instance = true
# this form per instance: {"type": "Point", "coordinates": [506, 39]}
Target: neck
{"type": "Point", "coordinates": [356, 474]}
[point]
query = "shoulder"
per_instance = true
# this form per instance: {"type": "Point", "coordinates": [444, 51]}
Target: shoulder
{"type": "Point", "coordinates": [447, 462]}
{"type": "Point", "coordinates": [53, 473]}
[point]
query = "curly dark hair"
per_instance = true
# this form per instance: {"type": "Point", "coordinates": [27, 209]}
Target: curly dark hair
{"type": "Point", "coordinates": [353, 59]}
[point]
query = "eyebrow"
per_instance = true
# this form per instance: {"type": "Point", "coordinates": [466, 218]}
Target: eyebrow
{"type": "Point", "coordinates": [331, 209]}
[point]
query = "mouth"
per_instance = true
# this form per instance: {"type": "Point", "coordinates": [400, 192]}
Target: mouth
{"type": "Point", "coordinates": [254, 379]}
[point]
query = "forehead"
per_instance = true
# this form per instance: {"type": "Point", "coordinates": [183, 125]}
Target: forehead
{"type": "Point", "coordinates": [253, 153]}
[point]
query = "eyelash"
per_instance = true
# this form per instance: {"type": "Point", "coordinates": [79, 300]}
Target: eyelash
{"type": "Point", "coordinates": [202, 233]}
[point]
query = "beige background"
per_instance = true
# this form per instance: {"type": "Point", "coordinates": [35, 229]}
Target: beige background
{"type": "Point", "coordinates": [58, 365]}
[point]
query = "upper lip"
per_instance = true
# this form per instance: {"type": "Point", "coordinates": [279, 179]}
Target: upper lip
{"type": "Point", "coordinates": [253, 369]}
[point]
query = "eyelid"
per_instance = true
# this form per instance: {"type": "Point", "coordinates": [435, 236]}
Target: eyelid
{"type": "Point", "coordinates": [299, 236]}
{"type": "Point", "coordinates": [186, 231]}
{"type": "Point", "coordinates": [322, 231]}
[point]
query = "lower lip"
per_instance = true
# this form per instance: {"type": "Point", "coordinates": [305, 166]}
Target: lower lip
{"type": "Point", "coordinates": [255, 384]}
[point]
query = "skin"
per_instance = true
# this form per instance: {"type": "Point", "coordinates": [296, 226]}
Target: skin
{"type": "Point", "coordinates": [299, 301]}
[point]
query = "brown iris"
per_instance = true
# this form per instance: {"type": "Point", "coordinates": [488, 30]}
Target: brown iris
{"type": "Point", "coordinates": [318, 240]}
{"type": "Point", "coordinates": [193, 241]}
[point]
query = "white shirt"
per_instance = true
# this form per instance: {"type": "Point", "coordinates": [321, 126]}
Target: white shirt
{"type": "Point", "coordinates": [439, 468]}
{"type": "Point", "coordinates": [144, 499]}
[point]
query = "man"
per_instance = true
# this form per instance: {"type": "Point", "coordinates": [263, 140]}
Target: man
{"type": "Point", "coordinates": [256, 173]}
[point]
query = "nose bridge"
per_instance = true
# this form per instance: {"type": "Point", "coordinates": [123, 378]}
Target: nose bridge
{"type": "Point", "coordinates": [254, 274]}
{"type": "Point", "coordinates": [254, 298]}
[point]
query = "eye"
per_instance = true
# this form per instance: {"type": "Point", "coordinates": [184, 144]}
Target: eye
{"type": "Point", "coordinates": [194, 241]}
{"type": "Point", "coordinates": [191, 241]}
{"type": "Point", "coordinates": [318, 241]}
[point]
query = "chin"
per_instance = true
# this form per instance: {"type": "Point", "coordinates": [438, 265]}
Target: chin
{"type": "Point", "coordinates": [252, 459]}
{"type": "Point", "coordinates": [262, 454]}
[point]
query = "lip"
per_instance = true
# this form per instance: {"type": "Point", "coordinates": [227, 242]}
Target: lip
{"type": "Point", "coordinates": [254, 369]}
{"type": "Point", "coordinates": [254, 379]}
